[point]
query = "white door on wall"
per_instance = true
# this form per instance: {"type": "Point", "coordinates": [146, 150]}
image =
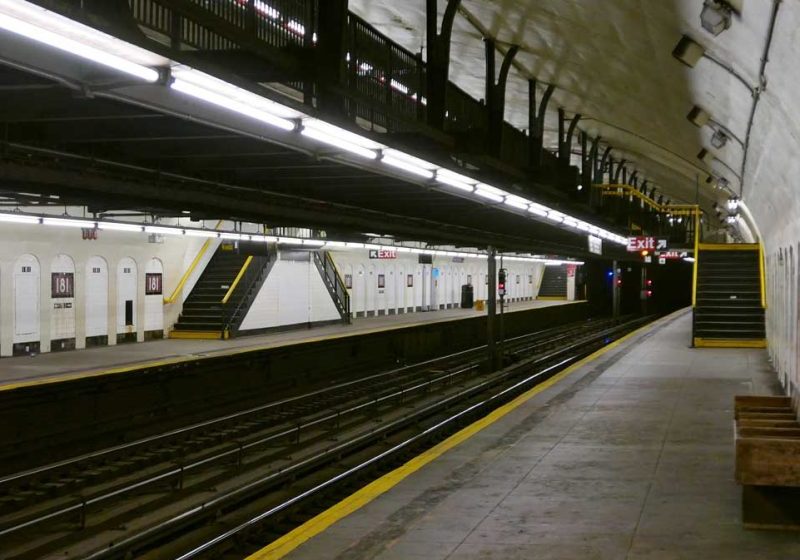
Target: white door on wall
{"type": "Point", "coordinates": [380, 289]}
{"type": "Point", "coordinates": [62, 295]}
{"type": "Point", "coordinates": [127, 281]}
{"type": "Point", "coordinates": [26, 299]}
{"type": "Point", "coordinates": [96, 297]}
{"type": "Point", "coordinates": [391, 289]}
{"type": "Point", "coordinates": [426, 287]}
{"type": "Point", "coordinates": [400, 289]}
{"type": "Point", "coordinates": [372, 282]}
{"type": "Point", "coordinates": [360, 288]}
{"type": "Point", "coordinates": [154, 295]}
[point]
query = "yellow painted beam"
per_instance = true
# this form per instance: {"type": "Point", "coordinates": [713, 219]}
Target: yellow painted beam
{"type": "Point", "coordinates": [195, 335]}
{"type": "Point", "coordinates": [763, 275]}
{"type": "Point", "coordinates": [551, 298]}
{"type": "Point", "coordinates": [289, 542]}
{"type": "Point", "coordinates": [729, 246]}
{"type": "Point", "coordinates": [729, 343]}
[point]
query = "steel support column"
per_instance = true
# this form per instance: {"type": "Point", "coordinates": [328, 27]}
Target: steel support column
{"type": "Point", "coordinates": [438, 67]}
{"type": "Point", "coordinates": [331, 54]}
{"type": "Point", "coordinates": [536, 116]}
{"type": "Point", "coordinates": [491, 304]}
{"type": "Point", "coordinates": [496, 94]}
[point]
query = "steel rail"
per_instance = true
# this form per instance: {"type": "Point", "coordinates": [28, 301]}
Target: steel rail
{"type": "Point", "coordinates": [564, 356]}
{"type": "Point", "coordinates": [184, 430]}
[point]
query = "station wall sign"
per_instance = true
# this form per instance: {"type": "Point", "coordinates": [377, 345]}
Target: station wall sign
{"type": "Point", "coordinates": [383, 253]}
{"type": "Point", "coordinates": [595, 245]}
{"type": "Point", "coordinates": [646, 243]}
{"type": "Point", "coordinates": [672, 255]}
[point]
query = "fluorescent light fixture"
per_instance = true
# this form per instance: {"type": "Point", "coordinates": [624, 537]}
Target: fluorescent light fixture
{"type": "Point", "coordinates": [66, 222]}
{"type": "Point", "coordinates": [200, 233]}
{"type": "Point", "coordinates": [61, 33]}
{"type": "Point", "coordinates": [538, 210]}
{"type": "Point", "coordinates": [290, 241]}
{"type": "Point", "coordinates": [116, 226]}
{"type": "Point", "coordinates": [229, 104]}
{"type": "Point", "coordinates": [489, 192]}
{"type": "Point", "coordinates": [556, 217]}
{"type": "Point", "coordinates": [231, 236]}
{"type": "Point", "coordinates": [159, 230]}
{"type": "Point", "coordinates": [229, 91]}
{"type": "Point", "coordinates": [583, 226]}
{"type": "Point", "coordinates": [335, 243]}
{"type": "Point", "coordinates": [455, 180]}
{"type": "Point", "coordinates": [689, 259]}
{"type": "Point", "coordinates": [488, 195]}
{"type": "Point", "coordinates": [408, 163]}
{"type": "Point", "coordinates": [314, 242]}
{"type": "Point", "coordinates": [340, 138]}
{"type": "Point", "coordinates": [19, 219]}
{"type": "Point", "coordinates": [516, 202]}
{"type": "Point", "coordinates": [571, 222]}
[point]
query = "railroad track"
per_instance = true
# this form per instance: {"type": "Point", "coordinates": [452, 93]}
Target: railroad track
{"type": "Point", "coordinates": [185, 488]}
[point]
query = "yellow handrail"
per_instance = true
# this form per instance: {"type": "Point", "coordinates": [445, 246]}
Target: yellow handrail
{"type": "Point", "coordinates": [696, 257]}
{"type": "Point", "coordinates": [763, 275]}
{"type": "Point", "coordinates": [628, 190]}
{"type": "Point", "coordinates": [195, 262]}
{"type": "Point", "coordinates": [238, 279]}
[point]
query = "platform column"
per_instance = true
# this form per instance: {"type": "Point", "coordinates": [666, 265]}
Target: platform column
{"type": "Point", "coordinates": [615, 290]}
{"type": "Point", "coordinates": [491, 303]}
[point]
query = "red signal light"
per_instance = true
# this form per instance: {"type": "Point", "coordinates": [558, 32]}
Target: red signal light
{"type": "Point", "coordinates": [649, 282]}
{"type": "Point", "coordinates": [649, 293]}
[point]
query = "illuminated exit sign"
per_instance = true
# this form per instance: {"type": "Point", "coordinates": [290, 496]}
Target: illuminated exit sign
{"type": "Point", "coordinates": [643, 243]}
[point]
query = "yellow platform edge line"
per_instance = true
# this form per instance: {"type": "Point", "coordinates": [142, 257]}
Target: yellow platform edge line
{"type": "Point", "coordinates": [225, 352]}
{"type": "Point", "coordinates": [318, 524]}
{"type": "Point", "coordinates": [552, 298]}
{"type": "Point", "coordinates": [730, 343]}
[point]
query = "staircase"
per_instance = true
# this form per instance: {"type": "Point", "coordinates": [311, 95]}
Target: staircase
{"type": "Point", "coordinates": [334, 284]}
{"type": "Point", "coordinates": [554, 283]}
{"type": "Point", "coordinates": [729, 304]}
{"type": "Point", "coordinates": [212, 310]}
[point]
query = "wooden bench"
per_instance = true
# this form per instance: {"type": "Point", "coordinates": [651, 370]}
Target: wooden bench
{"type": "Point", "coordinates": [767, 436]}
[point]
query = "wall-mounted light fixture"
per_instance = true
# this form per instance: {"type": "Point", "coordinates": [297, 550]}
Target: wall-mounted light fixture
{"type": "Point", "coordinates": [688, 51]}
{"type": "Point", "coordinates": [705, 156]}
{"type": "Point", "coordinates": [716, 15]}
{"type": "Point", "coordinates": [719, 139]}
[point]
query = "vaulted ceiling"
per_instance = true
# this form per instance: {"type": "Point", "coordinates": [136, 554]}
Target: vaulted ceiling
{"type": "Point", "coordinates": [611, 61]}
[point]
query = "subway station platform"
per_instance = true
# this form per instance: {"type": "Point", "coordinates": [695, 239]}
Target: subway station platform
{"type": "Point", "coordinates": [54, 367]}
{"type": "Point", "coordinates": [627, 456]}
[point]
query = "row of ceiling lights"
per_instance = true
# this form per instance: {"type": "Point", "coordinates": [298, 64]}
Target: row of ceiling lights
{"type": "Point", "coordinates": [46, 27]}
{"type": "Point", "coordinates": [159, 229]}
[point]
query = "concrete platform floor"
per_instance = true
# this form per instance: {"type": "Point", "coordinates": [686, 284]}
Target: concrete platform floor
{"type": "Point", "coordinates": [54, 365]}
{"type": "Point", "coordinates": [630, 457]}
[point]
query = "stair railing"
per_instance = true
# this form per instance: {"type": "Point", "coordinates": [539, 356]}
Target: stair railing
{"type": "Point", "coordinates": [182, 282]}
{"type": "Point", "coordinates": [248, 282]}
{"type": "Point", "coordinates": [334, 283]}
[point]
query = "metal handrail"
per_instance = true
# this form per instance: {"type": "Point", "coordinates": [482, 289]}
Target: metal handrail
{"type": "Point", "coordinates": [200, 254]}
{"type": "Point", "coordinates": [238, 279]}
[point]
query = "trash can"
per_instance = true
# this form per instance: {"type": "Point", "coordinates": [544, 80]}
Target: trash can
{"type": "Point", "coordinates": [480, 305]}
{"type": "Point", "coordinates": [466, 296]}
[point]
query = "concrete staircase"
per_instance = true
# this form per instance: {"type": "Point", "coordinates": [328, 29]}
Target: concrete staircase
{"type": "Point", "coordinates": [728, 308]}
{"type": "Point", "coordinates": [554, 283]}
{"type": "Point", "coordinates": [205, 315]}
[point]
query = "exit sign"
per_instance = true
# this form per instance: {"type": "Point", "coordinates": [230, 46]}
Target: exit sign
{"type": "Point", "coordinates": [644, 243]}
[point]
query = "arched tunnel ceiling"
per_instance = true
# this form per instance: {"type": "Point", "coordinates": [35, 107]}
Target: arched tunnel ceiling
{"type": "Point", "coordinates": [611, 61]}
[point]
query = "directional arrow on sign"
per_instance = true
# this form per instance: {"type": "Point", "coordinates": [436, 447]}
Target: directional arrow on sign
{"type": "Point", "coordinates": [662, 244]}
